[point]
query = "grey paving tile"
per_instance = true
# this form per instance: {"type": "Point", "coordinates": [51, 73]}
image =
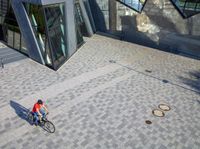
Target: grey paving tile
{"type": "Point", "coordinates": [110, 109]}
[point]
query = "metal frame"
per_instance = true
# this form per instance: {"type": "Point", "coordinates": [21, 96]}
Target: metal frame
{"type": "Point", "coordinates": [60, 61]}
{"type": "Point", "coordinates": [181, 11]}
{"type": "Point", "coordinates": [132, 7]}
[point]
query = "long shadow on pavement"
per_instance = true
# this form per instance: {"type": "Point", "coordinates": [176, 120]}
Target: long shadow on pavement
{"type": "Point", "coordinates": [188, 82]}
{"type": "Point", "coordinates": [20, 110]}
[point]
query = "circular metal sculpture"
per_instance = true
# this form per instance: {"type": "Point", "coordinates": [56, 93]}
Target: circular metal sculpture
{"type": "Point", "coordinates": [158, 113]}
{"type": "Point", "coordinates": [164, 107]}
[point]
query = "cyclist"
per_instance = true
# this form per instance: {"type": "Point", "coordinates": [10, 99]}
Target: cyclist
{"type": "Point", "coordinates": [39, 111]}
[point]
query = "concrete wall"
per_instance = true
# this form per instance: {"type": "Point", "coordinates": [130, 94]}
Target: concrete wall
{"type": "Point", "coordinates": [159, 25]}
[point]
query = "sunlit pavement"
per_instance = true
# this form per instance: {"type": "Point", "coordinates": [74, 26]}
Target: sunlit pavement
{"type": "Point", "coordinates": [101, 98]}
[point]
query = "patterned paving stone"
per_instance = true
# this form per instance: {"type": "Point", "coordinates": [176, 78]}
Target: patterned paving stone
{"type": "Point", "coordinates": [96, 104]}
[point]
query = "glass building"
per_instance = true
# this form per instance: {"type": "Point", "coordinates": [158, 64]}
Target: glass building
{"type": "Point", "coordinates": [49, 29]}
{"type": "Point", "coordinates": [11, 32]}
{"type": "Point", "coordinates": [50, 32]}
{"type": "Point", "coordinates": [51, 35]}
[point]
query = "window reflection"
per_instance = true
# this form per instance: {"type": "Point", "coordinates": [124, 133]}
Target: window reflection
{"type": "Point", "coordinates": [23, 46]}
{"type": "Point", "coordinates": [36, 16]}
{"type": "Point", "coordinates": [10, 37]}
{"type": "Point", "coordinates": [187, 7]}
{"type": "Point", "coordinates": [79, 21]}
{"type": "Point", "coordinates": [17, 40]}
{"type": "Point", "coordinates": [55, 26]}
{"type": "Point", "coordinates": [48, 24]}
{"type": "Point", "coordinates": [134, 4]}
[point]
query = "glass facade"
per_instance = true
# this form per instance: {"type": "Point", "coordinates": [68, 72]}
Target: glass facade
{"type": "Point", "coordinates": [187, 8]}
{"type": "Point", "coordinates": [134, 4]}
{"type": "Point", "coordinates": [48, 24]}
{"type": "Point", "coordinates": [123, 12]}
{"type": "Point", "coordinates": [80, 21]}
{"type": "Point", "coordinates": [11, 32]}
{"type": "Point", "coordinates": [4, 7]}
{"type": "Point", "coordinates": [79, 24]}
{"type": "Point", "coordinates": [100, 12]}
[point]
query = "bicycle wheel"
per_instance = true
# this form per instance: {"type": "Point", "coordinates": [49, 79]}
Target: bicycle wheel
{"type": "Point", "coordinates": [49, 127]}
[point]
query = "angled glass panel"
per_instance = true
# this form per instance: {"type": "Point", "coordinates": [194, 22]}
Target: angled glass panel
{"type": "Point", "coordinates": [48, 24]}
{"type": "Point", "coordinates": [80, 20]}
{"type": "Point", "coordinates": [187, 8]}
{"type": "Point", "coordinates": [11, 31]}
{"type": "Point", "coordinates": [37, 19]}
{"type": "Point", "coordinates": [100, 13]}
{"type": "Point", "coordinates": [4, 9]}
{"type": "Point", "coordinates": [23, 46]}
{"type": "Point", "coordinates": [56, 32]}
{"type": "Point", "coordinates": [134, 4]}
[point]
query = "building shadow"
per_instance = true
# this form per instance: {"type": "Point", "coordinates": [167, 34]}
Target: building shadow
{"type": "Point", "coordinates": [193, 81]}
{"type": "Point", "coordinates": [20, 110]}
{"type": "Point", "coordinates": [98, 16]}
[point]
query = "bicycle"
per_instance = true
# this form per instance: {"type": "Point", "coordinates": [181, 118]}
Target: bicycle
{"type": "Point", "coordinates": [43, 122]}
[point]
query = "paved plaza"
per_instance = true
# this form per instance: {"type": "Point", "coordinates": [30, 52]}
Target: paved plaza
{"type": "Point", "coordinates": [101, 97]}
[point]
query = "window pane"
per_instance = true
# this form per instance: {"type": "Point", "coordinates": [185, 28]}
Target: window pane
{"type": "Point", "coordinates": [10, 37]}
{"type": "Point", "coordinates": [79, 21]}
{"type": "Point", "coordinates": [37, 19]}
{"type": "Point", "coordinates": [17, 40]}
{"type": "Point", "coordinates": [134, 4]}
{"type": "Point", "coordinates": [187, 7]}
{"type": "Point", "coordinates": [23, 46]}
{"type": "Point", "coordinates": [56, 31]}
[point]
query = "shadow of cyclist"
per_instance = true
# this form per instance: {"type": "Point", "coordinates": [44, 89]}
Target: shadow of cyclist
{"type": "Point", "coordinates": [20, 110]}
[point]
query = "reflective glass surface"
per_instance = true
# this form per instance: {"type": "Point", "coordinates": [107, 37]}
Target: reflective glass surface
{"type": "Point", "coordinates": [56, 31]}
{"type": "Point", "coordinates": [11, 32]}
{"type": "Point", "coordinates": [4, 7]}
{"type": "Point", "coordinates": [48, 24]}
{"type": "Point", "coordinates": [79, 23]}
{"type": "Point", "coordinates": [101, 14]}
{"type": "Point", "coordinates": [80, 19]}
{"type": "Point", "coordinates": [37, 19]}
{"type": "Point", "coordinates": [134, 4]}
{"type": "Point", "coordinates": [187, 8]}
{"type": "Point", "coordinates": [17, 40]}
{"type": "Point", "coordinates": [10, 38]}
{"type": "Point", "coordinates": [23, 45]}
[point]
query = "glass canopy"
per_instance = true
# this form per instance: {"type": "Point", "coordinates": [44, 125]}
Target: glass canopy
{"type": "Point", "coordinates": [187, 8]}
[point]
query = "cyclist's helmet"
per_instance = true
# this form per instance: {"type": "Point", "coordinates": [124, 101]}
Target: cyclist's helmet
{"type": "Point", "coordinates": [40, 101]}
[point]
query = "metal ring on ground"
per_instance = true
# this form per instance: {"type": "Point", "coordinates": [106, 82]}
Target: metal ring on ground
{"type": "Point", "coordinates": [158, 113]}
{"type": "Point", "coordinates": [164, 107]}
{"type": "Point", "coordinates": [148, 122]}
